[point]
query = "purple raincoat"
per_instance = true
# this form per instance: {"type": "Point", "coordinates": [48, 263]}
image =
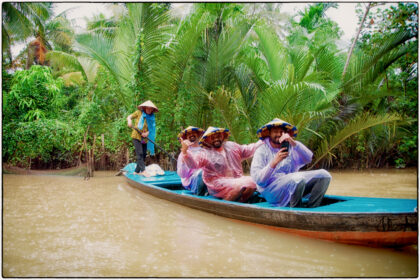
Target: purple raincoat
{"type": "Point", "coordinates": [278, 184]}
{"type": "Point", "coordinates": [188, 171]}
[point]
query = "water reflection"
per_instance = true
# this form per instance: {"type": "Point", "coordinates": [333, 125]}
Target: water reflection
{"type": "Point", "coordinates": [66, 227]}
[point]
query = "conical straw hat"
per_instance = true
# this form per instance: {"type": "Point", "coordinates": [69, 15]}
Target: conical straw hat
{"type": "Point", "coordinates": [148, 103]}
{"type": "Point", "coordinates": [212, 130]}
{"type": "Point", "coordinates": [183, 134]}
{"type": "Point", "coordinates": [264, 130]}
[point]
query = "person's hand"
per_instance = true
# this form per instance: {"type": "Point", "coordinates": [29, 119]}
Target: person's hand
{"type": "Point", "coordinates": [184, 146]}
{"type": "Point", "coordinates": [278, 157]}
{"type": "Point", "coordinates": [145, 134]}
{"type": "Point", "coordinates": [129, 123]}
{"type": "Point", "coordinates": [288, 138]}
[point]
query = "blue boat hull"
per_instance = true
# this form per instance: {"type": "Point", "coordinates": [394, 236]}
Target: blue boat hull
{"type": "Point", "coordinates": [353, 220]}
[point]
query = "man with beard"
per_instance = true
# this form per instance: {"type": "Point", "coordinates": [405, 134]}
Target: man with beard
{"type": "Point", "coordinates": [275, 168]}
{"type": "Point", "coordinates": [191, 176]}
{"type": "Point", "coordinates": [221, 163]}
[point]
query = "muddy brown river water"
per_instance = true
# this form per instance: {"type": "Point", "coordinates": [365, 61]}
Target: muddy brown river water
{"type": "Point", "coordinates": [57, 226]}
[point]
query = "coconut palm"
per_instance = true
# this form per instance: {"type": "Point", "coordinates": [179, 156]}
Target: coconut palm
{"type": "Point", "coordinates": [48, 32]}
{"type": "Point", "coordinates": [21, 21]}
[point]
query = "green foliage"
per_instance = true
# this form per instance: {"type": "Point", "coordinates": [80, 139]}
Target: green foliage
{"type": "Point", "coordinates": [34, 94]}
{"type": "Point", "coordinates": [395, 87]}
{"type": "Point", "coordinates": [313, 17]}
{"type": "Point", "coordinates": [220, 66]}
{"type": "Point", "coordinates": [6, 81]}
{"type": "Point", "coordinates": [44, 139]}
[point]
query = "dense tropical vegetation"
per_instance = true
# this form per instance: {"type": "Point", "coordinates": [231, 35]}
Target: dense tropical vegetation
{"type": "Point", "coordinates": [224, 64]}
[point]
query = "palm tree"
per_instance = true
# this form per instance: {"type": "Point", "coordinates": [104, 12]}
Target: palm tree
{"type": "Point", "coordinates": [198, 70]}
{"type": "Point", "coordinates": [21, 21]}
{"type": "Point", "coordinates": [55, 33]}
{"type": "Point", "coordinates": [130, 51]}
{"type": "Point", "coordinates": [303, 86]}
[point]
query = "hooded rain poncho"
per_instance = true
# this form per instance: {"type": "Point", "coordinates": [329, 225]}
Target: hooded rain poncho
{"type": "Point", "coordinates": [191, 175]}
{"type": "Point", "coordinates": [278, 184]}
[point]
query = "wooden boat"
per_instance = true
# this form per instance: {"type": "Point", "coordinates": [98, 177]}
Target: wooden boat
{"type": "Point", "coordinates": [368, 221]}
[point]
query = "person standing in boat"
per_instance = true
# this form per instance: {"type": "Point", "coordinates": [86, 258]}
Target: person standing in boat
{"type": "Point", "coordinates": [191, 176]}
{"type": "Point", "coordinates": [144, 120]}
{"type": "Point", "coordinates": [221, 163]}
{"type": "Point", "coordinates": [275, 168]}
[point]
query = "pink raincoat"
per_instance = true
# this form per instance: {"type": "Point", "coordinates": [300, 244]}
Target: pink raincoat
{"type": "Point", "coordinates": [222, 169]}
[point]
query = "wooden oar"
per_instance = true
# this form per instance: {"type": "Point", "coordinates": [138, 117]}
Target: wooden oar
{"type": "Point", "coordinates": [138, 130]}
{"type": "Point", "coordinates": [119, 172]}
{"type": "Point", "coordinates": [170, 156]}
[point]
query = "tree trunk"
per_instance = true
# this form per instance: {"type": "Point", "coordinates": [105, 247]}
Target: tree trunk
{"type": "Point", "coordinates": [102, 161]}
{"type": "Point", "coordinates": [90, 162]}
{"type": "Point", "coordinates": [84, 144]}
{"type": "Point", "coordinates": [93, 154]}
{"type": "Point", "coordinates": [127, 156]}
{"type": "Point", "coordinates": [355, 39]}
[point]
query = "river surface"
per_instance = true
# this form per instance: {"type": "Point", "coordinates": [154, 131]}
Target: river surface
{"type": "Point", "coordinates": [57, 226]}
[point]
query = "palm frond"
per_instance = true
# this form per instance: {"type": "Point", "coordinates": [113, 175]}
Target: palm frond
{"type": "Point", "coordinates": [100, 49]}
{"type": "Point", "coordinates": [249, 95]}
{"type": "Point", "coordinates": [222, 53]}
{"type": "Point", "coordinates": [358, 124]}
{"type": "Point", "coordinates": [274, 52]}
{"type": "Point", "coordinates": [366, 68]}
{"type": "Point", "coordinates": [223, 102]}
{"type": "Point", "coordinates": [301, 59]}
{"type": "Point", "coordinates": [73, 78]}
{"type": "Point", "coordinates": [139, 38]}
{"type": "Point", "coordinates": [61, 60]}
{"type": "Point", "coordinates": [15, 22]}
{"type": "Point", "coordinates": [90, 68]}
{"type": "Point", "coordinates": [178, 54]}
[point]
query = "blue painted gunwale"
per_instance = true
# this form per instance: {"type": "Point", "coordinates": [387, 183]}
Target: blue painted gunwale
{"type": "Point", "coordinates": [347, 204]}
{"type": "Point", "coordinates": [352, 220]}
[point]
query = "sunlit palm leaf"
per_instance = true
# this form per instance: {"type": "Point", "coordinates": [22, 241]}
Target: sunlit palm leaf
{"type": "Point", "coordinates": [60, 60]}
{"type": "Point", "coordinates": [90, 68]}
{"type": "Point", "coordinates": [301, 59]}
{"type": "Point", "coordinates": [274, 52]}
{"type": "Point", "coordinates": [73, 78]}
{"type": "Point", "coordinates": [145, 21]}
{"type": "Point", "coordinates": [178, 54]}
{"type": "Point", "coordinates": [99, 48]}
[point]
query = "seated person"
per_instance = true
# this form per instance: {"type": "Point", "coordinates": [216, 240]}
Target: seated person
{"type": "Point", "coordinates": [275, 169]}
{"type": "Point", "coordinates": [220, 161]}
{"type": "Point", "coordinates": [191, 176]}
